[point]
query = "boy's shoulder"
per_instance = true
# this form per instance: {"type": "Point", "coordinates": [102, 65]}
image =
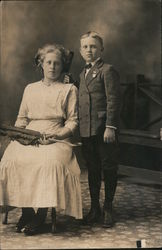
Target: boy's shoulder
{"type": "Point", "coordinates": [107, 66]}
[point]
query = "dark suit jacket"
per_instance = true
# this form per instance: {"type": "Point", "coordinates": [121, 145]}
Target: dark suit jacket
{"type": "Point", "coordinates": [99, 99]}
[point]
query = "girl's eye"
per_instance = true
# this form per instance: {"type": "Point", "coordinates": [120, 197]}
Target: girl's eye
{"type": "Point", "coordinates": [58, 63]}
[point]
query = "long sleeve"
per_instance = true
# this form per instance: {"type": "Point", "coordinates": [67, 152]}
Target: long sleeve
{"type": "Point", "coordinates": [112, 88]}
{"type": "Point", "coordinates": [22, 118]}
{"type": "Point", "coordinates": [72, 109]}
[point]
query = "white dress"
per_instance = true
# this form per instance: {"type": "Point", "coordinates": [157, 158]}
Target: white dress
{"type": "Point", "coordinates": [48, 175]}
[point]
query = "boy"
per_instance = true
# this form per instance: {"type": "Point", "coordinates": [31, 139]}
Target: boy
{"type": "Point", "coordinates": [99, 99]}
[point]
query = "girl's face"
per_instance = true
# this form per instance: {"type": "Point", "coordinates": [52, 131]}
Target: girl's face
{"type": "Point", "coordinates": [52, 66]}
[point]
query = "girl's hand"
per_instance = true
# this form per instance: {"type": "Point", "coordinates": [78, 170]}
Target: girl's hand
{"type": "Point", "coordinates": [62, 134]}
{"type": "Point", "coordinates": [53, 136]}
{"type": "Point", "coordinates": [44, 140]}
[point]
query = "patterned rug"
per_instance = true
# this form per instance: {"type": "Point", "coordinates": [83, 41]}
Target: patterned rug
{"type": "Point", "coordinates": [138, 216]}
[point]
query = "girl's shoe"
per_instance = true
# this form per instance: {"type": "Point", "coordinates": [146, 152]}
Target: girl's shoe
{"type": "Point", "coordinates": [25, 218]}
{"type": "Point", "coordinates": [33, 227]}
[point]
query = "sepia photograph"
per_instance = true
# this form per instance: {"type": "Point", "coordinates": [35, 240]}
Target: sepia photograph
{"type": "Point", "coordinates": [80, 124]}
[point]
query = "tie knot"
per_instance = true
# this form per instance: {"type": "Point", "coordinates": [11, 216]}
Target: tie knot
{"type": "Point", "coordinates": [88, 66]}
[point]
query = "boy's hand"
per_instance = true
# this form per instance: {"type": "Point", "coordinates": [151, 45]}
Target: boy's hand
{"type": "Point", "coordinates": [66, 78]}
{"type": "Point", "coordinates": [109, 135]}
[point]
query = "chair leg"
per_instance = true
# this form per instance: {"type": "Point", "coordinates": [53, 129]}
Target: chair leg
{"type": "Point", "coordinates": [5, 218]}
{"type": "Point", "coordinates": [53, 215]}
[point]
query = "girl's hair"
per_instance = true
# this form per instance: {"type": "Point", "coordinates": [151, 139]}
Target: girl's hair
{"type": "Point", "coordinates": [66, 55]}
{"type": "Point", "coordinates": [95, 35]}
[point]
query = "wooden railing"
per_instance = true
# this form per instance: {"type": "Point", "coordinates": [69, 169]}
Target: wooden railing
{"type": "Point", "coordinates": [139, 134]}
{"type": "Point", "coordinates": [138, 137]}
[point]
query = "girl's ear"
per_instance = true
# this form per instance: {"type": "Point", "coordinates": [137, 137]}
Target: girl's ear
{"type": "Point", "coordinates": [36, 59]}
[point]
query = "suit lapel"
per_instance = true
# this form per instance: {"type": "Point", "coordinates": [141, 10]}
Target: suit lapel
{"type": "Point", "coordinates": [82, 78]}
{"type": "Point", "coordinates": [82, 75]}
{"type": "Point", "coordinates": [93, 72]}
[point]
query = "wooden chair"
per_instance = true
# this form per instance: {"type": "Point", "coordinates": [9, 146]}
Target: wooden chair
{"type": "Point", "coordinates": [5, 218]}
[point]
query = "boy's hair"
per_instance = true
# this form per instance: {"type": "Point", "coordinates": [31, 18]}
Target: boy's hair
{"type": "Point", "coordinates": [95, 35]}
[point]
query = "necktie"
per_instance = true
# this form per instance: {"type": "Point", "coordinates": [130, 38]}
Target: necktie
{"type": "Point", "coordinates": [88, 66]}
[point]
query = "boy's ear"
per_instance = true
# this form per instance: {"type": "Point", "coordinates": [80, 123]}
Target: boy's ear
{"type": "Point", "coordinates": [102, 49]}
{"type": "Point", "coordinates": [80, 50]}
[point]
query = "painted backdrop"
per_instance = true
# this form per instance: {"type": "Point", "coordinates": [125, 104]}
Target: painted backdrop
{"type": "Point", "coordinates": [131, 32]}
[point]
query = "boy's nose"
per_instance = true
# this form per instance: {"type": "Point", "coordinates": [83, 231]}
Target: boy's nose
{"type": "Point", "coordinates": [89, 48]}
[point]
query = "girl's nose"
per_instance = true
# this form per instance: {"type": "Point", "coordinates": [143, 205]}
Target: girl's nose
{"type": "Point", "coordinates": [53, 65]}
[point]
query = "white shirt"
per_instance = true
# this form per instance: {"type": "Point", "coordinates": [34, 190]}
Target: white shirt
{"type": "Point", "coordinates": [93, 63]}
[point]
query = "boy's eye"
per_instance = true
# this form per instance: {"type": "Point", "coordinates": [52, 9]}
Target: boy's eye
{"type": "Point", "coordinates": [91, 46]}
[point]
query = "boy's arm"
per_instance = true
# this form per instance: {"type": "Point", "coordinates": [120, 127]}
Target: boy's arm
{"type": "Point", "coordinates": [112, 90]}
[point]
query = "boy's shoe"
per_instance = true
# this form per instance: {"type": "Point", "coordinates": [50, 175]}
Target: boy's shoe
{"type": "Point", "coordinates": [108, 220]}
{"type": "Point", "coordinates": [93, 216]}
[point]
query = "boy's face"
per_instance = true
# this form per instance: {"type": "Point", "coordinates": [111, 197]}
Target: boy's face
{"type": "Point", "coordinates": [90, 49]}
